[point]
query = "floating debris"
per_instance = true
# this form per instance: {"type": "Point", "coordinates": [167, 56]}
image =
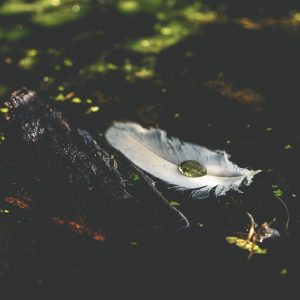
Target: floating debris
{"type": "Point", "coordinates": [92, 109]}
{"type": "Point", "coordinates": [133, 244]}
{"type": "Point", "coordinates": [200, 225]}
{"type": "Point", "coordinates": [256, 234]}
{"type": "Point", "coordinates": [2, 137]}
{"type": "Point", "coordinates": [18, 202]}
{"type": "Point", "coordinates": [288, 147]}
{"type": "Point", "coordinates": [79, 227]}
{"type": "Point", "coordinates": [284, 271]}
{"type": "Point", "coordinates": [246, 245]}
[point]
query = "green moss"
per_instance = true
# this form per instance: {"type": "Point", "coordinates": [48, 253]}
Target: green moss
{"type": "Point", "coordinates": [166, 36]}
{"type": "Point", "coordinates": [277, 191]}
{"type": "Point", "coordinates": [128, 6]}
{"type": "Point", "coordinates": [100, 67]}
{"type": "Point", "coordinates": [61, 88]}
{"type": "Point", "coordinates": [76, 100]}
{"type": "Point", "coordinates": [14, 33]}
{"type": "Point", "coordinates": [3, 90]}
{"type": "Point", "coordinates": [172, 26]}
{"type": "Point", "coordinates": [60, 97]}
{"type": "Point", "coordinates": [130, 71]}
{"type": "Point", "coordinates": [54, 52]}
{"type": "Point", "coordinates": [143, 71]}
{"type": "Point", "coordinates": [14, 7]}
{"type": "Point", "coordinates": [4, 110]}
{"type": "Point", "coordinates": [59, 17]}
{"type": "Point", "coordinates": [68, 63]}
{"type": "Point", "coordinates": [197, 13]}
{"type": "Point", "coordinates": [136, 6]}
{"type": "Point", "coordinates": [135, 177]}
{"type": "Point", "coordinates": [57, 67]}
{"type": "Point", "coordinates": [29, 60]}
{"type": "Point", "coordinates": [92, 109]}
{"type": "Point", "coordinates": [47, 12]}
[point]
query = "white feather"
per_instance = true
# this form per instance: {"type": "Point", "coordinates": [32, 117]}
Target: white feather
{"type": "Point", "coordinates": [152, 151]}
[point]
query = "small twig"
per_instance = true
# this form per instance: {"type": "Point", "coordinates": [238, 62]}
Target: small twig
{"type": "Point", "coordinates": [250, 255]}
{"type": "Point", "coordinates": [251, 234]}
{"type": "Point", "coordinates": [287, 213]}
{"type": "Point", "coordinates": [152, 186]}
{"type": "Point", "coordinates": [251, 219]}
{"type": "Point", "coordinates": [252, 227]}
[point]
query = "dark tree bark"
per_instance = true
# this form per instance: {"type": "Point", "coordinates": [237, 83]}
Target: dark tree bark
{"type": "Point", "coordinates": [74, 173]}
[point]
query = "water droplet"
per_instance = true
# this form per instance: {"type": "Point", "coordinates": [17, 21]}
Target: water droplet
{"type": "Point", "coordinates": [192, 168]}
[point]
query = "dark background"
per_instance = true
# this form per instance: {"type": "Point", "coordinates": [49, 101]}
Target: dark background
{"type": "Point", "coordinates": [224, 74]}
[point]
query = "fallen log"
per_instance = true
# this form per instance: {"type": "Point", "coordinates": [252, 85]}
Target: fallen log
{"type": "Point", "coordinates": [75, 173]}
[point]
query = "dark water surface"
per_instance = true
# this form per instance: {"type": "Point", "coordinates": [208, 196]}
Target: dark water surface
{"type": "Point", "coordinates": [217, 73]}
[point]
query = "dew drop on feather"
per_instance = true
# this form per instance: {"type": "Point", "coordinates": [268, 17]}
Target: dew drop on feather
{"type": "Point", "coordinates": [192, 168]}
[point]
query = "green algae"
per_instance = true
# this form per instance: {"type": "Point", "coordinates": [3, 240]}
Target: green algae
{"type": "Point", "coordinates": [172, 27]}
{"type": "Point", "coordinates": [46, 12]}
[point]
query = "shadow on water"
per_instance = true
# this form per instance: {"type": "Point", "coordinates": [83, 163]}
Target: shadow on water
{"type": "Point", "coordinates": [228, 83]}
